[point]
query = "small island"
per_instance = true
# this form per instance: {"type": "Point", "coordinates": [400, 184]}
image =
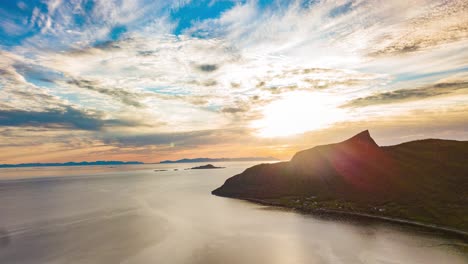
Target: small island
{"type": "Point", "coordinates": [423, 182]}
{"type": "Point", "coordinates": [206, 167]}
{"type": "Point", "coordinates": [195, 160]}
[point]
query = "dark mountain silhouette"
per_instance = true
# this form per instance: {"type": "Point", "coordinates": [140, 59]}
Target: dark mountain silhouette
{"type": "Point", "coordinates": [424, 180]}
{"type": "Point", "coordinates": [82, 163]}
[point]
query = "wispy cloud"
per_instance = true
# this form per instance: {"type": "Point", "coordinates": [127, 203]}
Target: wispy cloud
{"type": "Point", "coordinates": [68, 118]}
{"type": "Point", "coordinates": [119, 94]}
{"type": "Point", "coordinates": [436, 24]}
{"type": "Point", "coordinates": [401, 95]}
{"type": "Point", "coordinates": [184, 139]}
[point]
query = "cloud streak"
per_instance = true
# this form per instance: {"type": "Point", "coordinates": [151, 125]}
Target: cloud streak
{"type": "Point", "coordinates": [68, 118]}
{"type": "Point", "coordinates": [128, 98]}
{"type": "Point", "coordinates": [183, 139]}
{"type": "Point", "coordinates": [402, 95]}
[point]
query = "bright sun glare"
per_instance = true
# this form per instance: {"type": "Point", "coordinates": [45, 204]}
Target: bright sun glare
{"type": "Point", "coordinates": [297, 113]}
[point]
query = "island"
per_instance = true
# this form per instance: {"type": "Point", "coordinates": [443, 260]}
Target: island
{"type": "Point", "coordinates": [206, 167]}
{"type": "Point", "coordinates": [423, 182]}
{"type": "Point", "coordinates": [195, 160]}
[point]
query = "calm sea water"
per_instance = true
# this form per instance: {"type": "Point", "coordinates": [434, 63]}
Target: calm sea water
{"type": "Point", "coordinates": [132, 214]}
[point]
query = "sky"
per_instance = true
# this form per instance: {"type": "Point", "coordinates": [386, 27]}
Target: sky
{"type": "Point", "coordinates": [85, 80]}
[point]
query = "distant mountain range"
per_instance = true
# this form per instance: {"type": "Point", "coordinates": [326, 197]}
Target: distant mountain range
{"type": "Point", "coordinates": [220, 160]}
{"type": "Point", "coordinates": [83, 163]}
{"type": "Point", "coordinates": [423, 181]}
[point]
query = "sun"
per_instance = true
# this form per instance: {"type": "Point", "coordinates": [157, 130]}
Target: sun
{"type": "Point", "coordinates": [299, 112]}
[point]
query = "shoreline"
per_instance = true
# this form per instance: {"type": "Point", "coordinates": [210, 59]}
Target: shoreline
{"type": "Point", "coordinates": [448, 230]}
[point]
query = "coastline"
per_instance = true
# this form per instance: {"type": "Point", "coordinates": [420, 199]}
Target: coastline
{"type": "Point", "coordinates": [322, 212]}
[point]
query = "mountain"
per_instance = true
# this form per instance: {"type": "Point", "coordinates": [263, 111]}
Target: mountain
{"type": "Point", "coordinates": [220, 160]}
{"type": "Point", "coordinates": [83, 163]}
{"type": "Point", "coordinates": [425, 181]}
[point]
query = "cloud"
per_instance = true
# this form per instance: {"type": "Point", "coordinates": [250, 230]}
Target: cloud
{"type": "Point", "coordinates": [341, 33]}
{"type": "Point", "coordinates": [234, 110]}
{"type": "Point", "coordinates": [401, 95]}
{"type": "Point", "coordinates": [69, 118]}
{"type": "Point", "coordinates": [16, 94]}
{"type": "Point", "coordinates": [121, 95]}
{"type": "Point", "coordinates": [438, 23]}
{"type": "Point", "coordinates": [58, 24]}
{"type": "Point", "coordinates": [185, 139]}
{"type": "Point", "coordinates": [207, 67]}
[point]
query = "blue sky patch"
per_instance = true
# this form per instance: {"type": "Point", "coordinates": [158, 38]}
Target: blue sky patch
{"type": "Point", "coordinates": [197, 11]}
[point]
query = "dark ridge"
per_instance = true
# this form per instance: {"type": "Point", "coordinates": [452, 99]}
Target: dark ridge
{"type": "Point", "coordinates": [82, 163]}
{"type": "Point", "coordinates": [424, 180]}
